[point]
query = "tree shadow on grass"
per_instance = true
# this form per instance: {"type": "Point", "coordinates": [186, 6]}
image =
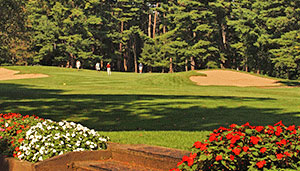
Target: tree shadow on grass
{"type": "Point", "coordinates": [109, 112]}
{"type": "Point", "coordinates": [290, 83]}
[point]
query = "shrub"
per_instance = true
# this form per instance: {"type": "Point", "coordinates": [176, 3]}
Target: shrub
{"type": "Point", "coordinates": [49, 138]}
{"type": "Point", "coordinates": [13, 127]}
{"type": "Point", "coordinates": [246, 147]}
{"type": "Point", "coordinates": [35, 139]}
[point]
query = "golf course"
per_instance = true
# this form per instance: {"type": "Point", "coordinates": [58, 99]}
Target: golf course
{"type": "Point", "coordinates": [163, 109]}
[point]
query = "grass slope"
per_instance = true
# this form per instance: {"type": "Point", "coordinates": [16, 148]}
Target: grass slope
{"type": "Point", "coordinates": [158, 109]}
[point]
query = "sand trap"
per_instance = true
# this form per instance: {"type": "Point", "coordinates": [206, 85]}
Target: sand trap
{"type": "Point", "coordinates": [6, 74]}
{"type": "Point", "coordinates": [232, 78]}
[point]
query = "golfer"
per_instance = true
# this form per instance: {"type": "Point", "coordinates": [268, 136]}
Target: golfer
{"type": "Point", "coordinates": [141, 67]}
{"type": "Point", "coordinates": [97, 66]}
{"type": "Point", "coordinates": [78, 64]}
{"type": "Point", "coordinates": [108, 69]}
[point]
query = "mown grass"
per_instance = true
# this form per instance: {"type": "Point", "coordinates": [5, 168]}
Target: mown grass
{"type": "Point", "coordinates": [158, 109]}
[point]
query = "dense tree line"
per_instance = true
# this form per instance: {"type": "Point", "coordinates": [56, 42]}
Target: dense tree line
{"type": "Point", "coordinates": [261, 36]}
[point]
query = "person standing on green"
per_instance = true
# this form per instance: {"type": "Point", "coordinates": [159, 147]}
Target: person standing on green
{"type": "Point", "coordinates": [97, 66]}
{"type": "Point", "coordinates": [108, 69]}
{"type": "Point", "coordinates": [141, 67]}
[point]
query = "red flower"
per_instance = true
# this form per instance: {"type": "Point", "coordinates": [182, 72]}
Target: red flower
{"type": "Point", "coordinates": [19, 131]}
{"type": "Point", "coordinates": [278, 131]}
{"type": "Point", "coordinates": [279, 123]}
{"type": "Point", "coordinates": [282, 142]}
{"type": "Point", "coordinates": [236, 151]}
{"type": "Point", "coordinates": [191, 159]}
{"type": "Point", "coordinates": [213, 137]}
{"type": "Point", "coordinates": [197, 144]}
{"type": "Point", "coordinates": [254, 140]}
{"type": "Point", "coordinates": [175, 169]}
{"type": "Point", "coordinates": [260, 164]}
{"type": "Point", "coordinates": [287, 154]}
{"type": "Point", "coordinates": [9, 128]}
{"type": "Point", "coordinates": [246, 124]}
{"type": "Point", "coordinates": [20, 140]}
{"type": "Point", "coordinates": [259, 128]}
{"type": "Point", "coordinates": [291, 128]}
{"type": "Point", "coordinates": [262, 150]}
{"type": "Point", "coordinates": [17, 149]}
{"type": "Point", "coordinates": [179, 163]}
{"type": "Point", "coordinates": [245, 148]}
{"type": "Point", "coordinates": [233, 125]}
{"type": "Point", "coordinates": [200, 145]}
{"type": "Point", "coordinates": [279, 156]}
{"type": "Point", "coordinates": [219, 157]}
{"type": "Point", "coordinates": [234, 139]}
{"type": "Point", "coordinates": [222, 128]}
{"type": "Point", "coordinates": [229, 136]}
{"type": "Point", "coordinates": [271, 127]}
{"type": "Point", "coordinates": [232, 157]}
{"type": "Point", "coordinates": [185, 158]}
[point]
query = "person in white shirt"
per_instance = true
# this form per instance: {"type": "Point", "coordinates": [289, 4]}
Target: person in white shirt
{"type": "Point", "coordinates": [78, 64]}
{"type": "Point", "coordinates": [97, 66]}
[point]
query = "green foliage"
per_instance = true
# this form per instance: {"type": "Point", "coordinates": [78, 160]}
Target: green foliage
{"type": "Point", "coordinates": [254, 35]}
{"type": "Point", "coordinates": [246, 147]}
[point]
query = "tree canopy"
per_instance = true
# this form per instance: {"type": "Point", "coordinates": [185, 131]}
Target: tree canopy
{"type": "Point", "coordinates": [261, 36]}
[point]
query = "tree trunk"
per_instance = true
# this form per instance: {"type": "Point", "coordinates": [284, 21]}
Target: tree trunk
{"type": "Point", "coordinates": [123, 54]}
{"type": "Point", "coordinates": [186, 65]}
{"type": "Point", "coordinates": [72, 59]}
{"type": "Point", "coordinates": [120, 48]}
{"type": "Point", "coordinates": [154, 22]}
{"type": "Point", "coordinates": [125, 62]}
{"type": "Point", "coordinates": [223, 35]}
{"type": "Point", "coordinates": [192, 64]}
{"type": "Point", "coordinates": [149, 26]}
{"type": "Point", "coordinates": [171, 65]}
{"type": "Point", "coordinates": [224, 47]}
{"type": "Point", "coordinates": [135, 61]}
{"type": "Point", "coordinates": [164, 27]}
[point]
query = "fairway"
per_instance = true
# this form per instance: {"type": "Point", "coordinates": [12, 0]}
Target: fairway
{"type": "Point", "coordinates": [150, 108]}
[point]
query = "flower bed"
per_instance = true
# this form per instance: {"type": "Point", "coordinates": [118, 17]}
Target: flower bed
{"type": "Point", "coordinates": [246, 147]}
{"type": "Point", "coordinates": [35, 139]}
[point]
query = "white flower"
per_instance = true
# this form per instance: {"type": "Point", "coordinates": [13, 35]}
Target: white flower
{"type": "Point", "coordinates": [27, 152]}
{"type": "Point", "coordinates": [40, 158]}
{"type": "Point", "coordinates": [102, 139]}
{"type": "Point", "coordinates": [88, 143]}
{"type": "Point", "coordinates": [21, 156]}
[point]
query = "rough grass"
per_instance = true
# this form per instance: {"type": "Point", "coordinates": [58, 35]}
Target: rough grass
{"type": "Point", "coordinates": [158, 109]}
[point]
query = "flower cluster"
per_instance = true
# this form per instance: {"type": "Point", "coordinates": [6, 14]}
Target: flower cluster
{"type": "Point", "coordinates": [246, 147]}
{"type": "Point", "coordinates": [34, 139]}
{"type": "Point", "coordinates": [49, 138]}
{"type": "Point", "coordinates": [13, 127]}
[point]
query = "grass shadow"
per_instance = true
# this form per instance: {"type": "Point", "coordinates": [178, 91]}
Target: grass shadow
{"type": "Point", "coordinates": [290, 83]}
{"type": "Point", "coordinates": [131, 112]}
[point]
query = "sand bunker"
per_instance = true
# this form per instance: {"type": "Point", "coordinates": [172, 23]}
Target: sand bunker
{"type": "Point", "coordinates": [232, 78]}
{"type": "Point", "coordinates": [6, 74]}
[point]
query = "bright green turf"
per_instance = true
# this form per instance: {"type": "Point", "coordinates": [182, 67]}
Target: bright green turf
{"type": "Point", "coordinates": [158, 109]}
